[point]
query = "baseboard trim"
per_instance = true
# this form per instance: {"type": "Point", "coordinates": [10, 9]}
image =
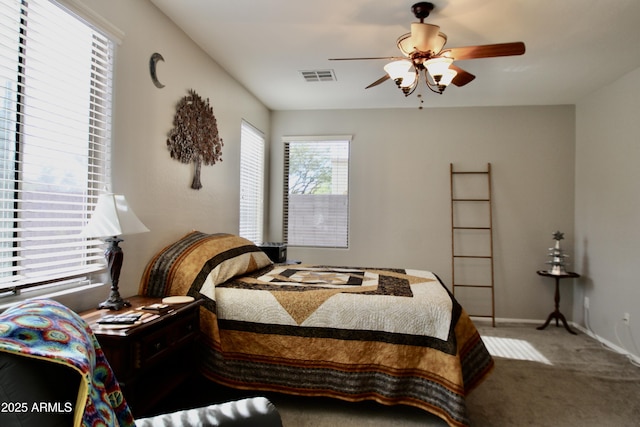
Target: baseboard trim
{"type": "Point", "coordinates": [505, 320]}
{"type": "Point", "coordinates": [608, 344]}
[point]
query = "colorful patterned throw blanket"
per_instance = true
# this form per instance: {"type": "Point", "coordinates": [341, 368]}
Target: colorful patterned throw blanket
{"type": "Point", "coordinates": [47, 330]}
{"type": "Point", "coordinates": [395, 336]}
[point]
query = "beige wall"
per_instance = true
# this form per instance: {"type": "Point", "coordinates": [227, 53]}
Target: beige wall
{"type": "Point", "coordinates": [157, 186]}
{"type": "Point", "coordinates": [400, 197]}
{"type": "Point", "coordinates": [608, 209]}
{"type": "Point", "coordinates": [542, 157]}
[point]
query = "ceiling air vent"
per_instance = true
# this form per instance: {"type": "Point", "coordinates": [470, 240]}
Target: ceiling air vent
{"type": "Point", "coordinates": [319, 75]}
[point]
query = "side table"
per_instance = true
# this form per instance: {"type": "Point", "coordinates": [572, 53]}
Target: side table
{"type": "Point", "coordinates": [556, 313]}
{"type": "Point", "coordinates": [152, 357]}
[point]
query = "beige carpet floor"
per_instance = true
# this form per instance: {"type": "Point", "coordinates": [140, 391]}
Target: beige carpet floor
{"type": "Point", "coordinates": [553, 378]}
{"type": "Point", "coordinates": [542, 378]}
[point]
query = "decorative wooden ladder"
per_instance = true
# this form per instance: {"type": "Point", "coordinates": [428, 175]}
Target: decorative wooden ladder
{"type": "Point", "coordinates": [472, 239]}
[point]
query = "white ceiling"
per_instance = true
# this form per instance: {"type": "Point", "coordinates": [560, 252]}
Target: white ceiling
{"type": "Point", "coordinates": [573, 47]}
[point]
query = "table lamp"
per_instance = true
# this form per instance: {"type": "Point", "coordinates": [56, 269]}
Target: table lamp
{"type": "Point", "coordinates": [113, 218]}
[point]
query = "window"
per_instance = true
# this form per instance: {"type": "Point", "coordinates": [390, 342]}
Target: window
{"type": "Point", "coordinates": [251, 183]}
{"type": "Point", "coordinates": [55, 123]}
{"type": "Point", "coordinates": [316, 191]}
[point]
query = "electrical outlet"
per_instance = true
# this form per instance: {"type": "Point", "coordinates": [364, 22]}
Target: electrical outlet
{"type": "Point", "coordinates": [626, 318]}
{"type": "Point", "coordinates": [586, 302]}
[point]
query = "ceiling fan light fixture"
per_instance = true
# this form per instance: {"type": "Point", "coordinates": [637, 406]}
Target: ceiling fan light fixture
{"type": "Point", "coordinates": [437, 67]}
{"type": "Point", "coordinates": [409, 79]}
{"type": "Point", "coordinates": [397, 70]}
{"type": "Point", "coordinates": [405, 45]}
{"type": "Point", "coordinates": [428, 59]}
{"type": "Point", "coordinates": [447, 77]}
{"type": "Point", "coordinates": [439, 43]}
{"type": "Point", "coordinates": [424, 38]}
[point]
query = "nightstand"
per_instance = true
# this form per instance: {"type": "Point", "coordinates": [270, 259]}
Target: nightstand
{"type": "Point", "coordinates": [277, 252]}
{"type": "Point", "coordinates": [152, 358]}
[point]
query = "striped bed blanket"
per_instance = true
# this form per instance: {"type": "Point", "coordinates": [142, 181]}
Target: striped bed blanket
{"type": "Point", "coordinates": [395, 336]}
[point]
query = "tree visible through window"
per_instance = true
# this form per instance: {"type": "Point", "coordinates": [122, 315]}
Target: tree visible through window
{"type": "Point", "coordinates": [316, 188]}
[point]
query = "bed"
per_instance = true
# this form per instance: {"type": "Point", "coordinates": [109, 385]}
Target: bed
{"type": "Point", "coordinates": [395, 336]}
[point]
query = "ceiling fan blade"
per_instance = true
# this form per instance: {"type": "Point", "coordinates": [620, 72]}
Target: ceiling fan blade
{"type": "Point", "coordinates": [463, 77]}
{"type": "Point", "coordinates": [365, 59]}
{"type": "Point", "coordinates": [485, 51]}
{"type": "Point", "coordinates": [380, 80]}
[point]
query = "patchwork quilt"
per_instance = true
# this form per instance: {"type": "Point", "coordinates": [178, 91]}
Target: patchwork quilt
{"type": "Point", "coordinates": [396, 336]}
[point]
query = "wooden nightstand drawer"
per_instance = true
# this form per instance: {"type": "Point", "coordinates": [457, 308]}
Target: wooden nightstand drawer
{"type": "Point", "coordinates": [150, 359]}
{"type": "Point", "coordinates": [151, 348]}
{"type": "Point", "coordinates": [173, 334]}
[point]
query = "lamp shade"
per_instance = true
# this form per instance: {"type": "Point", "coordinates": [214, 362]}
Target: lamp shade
{"type": "Point", "coordinates": [113, 217]}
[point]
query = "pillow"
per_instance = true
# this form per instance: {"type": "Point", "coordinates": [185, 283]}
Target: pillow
{"type": "Point", "coordinates": [196, 256]}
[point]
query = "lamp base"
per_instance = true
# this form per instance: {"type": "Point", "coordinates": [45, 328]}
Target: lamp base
{"type": "Point", "coordinates": [114, 302]}
{"type": "Point", "coordinates": [114, 257]}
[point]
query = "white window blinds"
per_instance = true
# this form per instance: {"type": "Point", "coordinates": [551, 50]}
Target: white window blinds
{"type": "Point", "coordinates": [316, 191]}
{"type": "Point", "coordinates": [251, 183]}
{"type": "Point", "coordinates": [55, 122]}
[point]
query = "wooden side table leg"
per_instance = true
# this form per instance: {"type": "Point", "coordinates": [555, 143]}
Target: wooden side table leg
{"type": "Point", "coordinates": [551, 316]}
{"type": "Point", "coordinates": [564, 322]}
{"type": "Point", "coordinates": [556, 313]}
{"type": "Point", "coordinates": [557, 301]}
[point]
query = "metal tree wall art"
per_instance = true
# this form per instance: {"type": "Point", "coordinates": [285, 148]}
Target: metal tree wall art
{"type": "Point", "coordinates": [195, 137]}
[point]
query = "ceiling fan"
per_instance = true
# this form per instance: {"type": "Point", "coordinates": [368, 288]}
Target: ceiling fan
{"type": "Point", "coordinates": [424, 53]}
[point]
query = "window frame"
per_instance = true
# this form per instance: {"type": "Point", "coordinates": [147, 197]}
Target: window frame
{"type": "Point", "coordinates": [100, 110]}
{"type": "Point", "coordinates": [287, 141]}
{"type": "Point", "coordinates": [252, 174]}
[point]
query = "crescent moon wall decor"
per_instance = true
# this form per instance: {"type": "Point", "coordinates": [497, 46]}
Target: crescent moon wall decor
{"type": "Point", "coordinates": [152, 69]}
